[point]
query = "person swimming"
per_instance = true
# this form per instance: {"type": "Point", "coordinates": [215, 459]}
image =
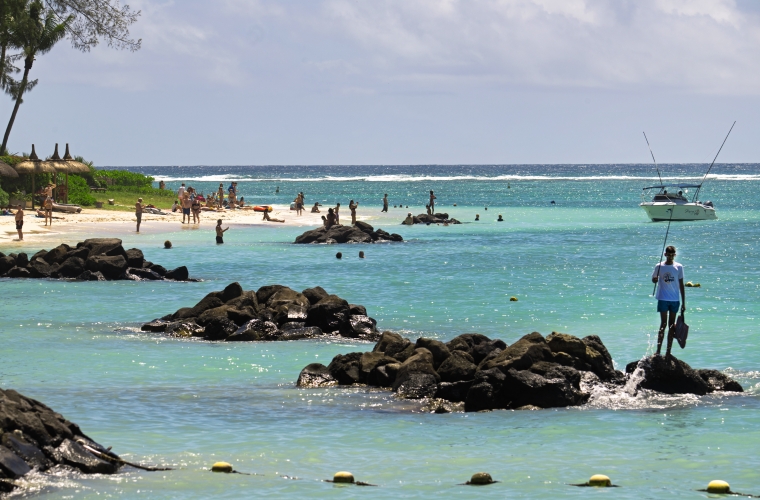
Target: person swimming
{"type": "Point", "coordinates": [477, 217]}
{"type": "Point", "coordinates": [500, 219]}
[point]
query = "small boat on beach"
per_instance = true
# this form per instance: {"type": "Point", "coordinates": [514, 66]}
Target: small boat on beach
{"type": "Point", "coordinates": [66, 208]}
{"type": "Point", "coordinates": [669, 203]}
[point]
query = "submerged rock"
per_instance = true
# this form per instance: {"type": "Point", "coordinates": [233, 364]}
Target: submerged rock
{"type": "Point", "coordinates": [673, 376]}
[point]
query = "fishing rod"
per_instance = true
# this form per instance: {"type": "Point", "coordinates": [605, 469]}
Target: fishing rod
{"type": "Point", "coordinates": [696, 193]}
{"type": "Point", "coordinates": [663, 251]}
{"type": "Point", "coordinates": [655, 161]}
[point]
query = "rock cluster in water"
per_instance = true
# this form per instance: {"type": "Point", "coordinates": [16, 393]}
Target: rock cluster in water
{"type": "Point", "coordinates": [439, 218]}
{"type": "Point", "coordinates": [361, 232]}
{"type": "Point", "coordinates": [95, 259]}
{"type": "Point", "coordinates": [273, 312]}
{"type": "Point", "coordinates": [34, 437]}
{"type": "Point", "coordinates": [486, 374]}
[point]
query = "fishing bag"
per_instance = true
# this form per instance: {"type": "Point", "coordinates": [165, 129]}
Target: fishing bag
{"type": "Point", "coordinates": [682, 331]}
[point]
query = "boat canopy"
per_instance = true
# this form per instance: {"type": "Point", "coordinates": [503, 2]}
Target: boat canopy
{"type": "Point", "coordinates": [680, 186]}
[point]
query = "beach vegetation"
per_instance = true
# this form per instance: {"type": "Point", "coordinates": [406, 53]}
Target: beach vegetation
{"type": "Point", "coordinates": [79, 191]}
{"type": "Point", "coordinates": [4, 198]}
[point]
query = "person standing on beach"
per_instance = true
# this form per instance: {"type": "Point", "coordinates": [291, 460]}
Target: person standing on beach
{"type": "Point", "coordinates": [231, 195]}
{"type": "Point", "coordinates": [181, 191]}
{"type": "Point", "coordinates": [195, 208]}
{"type": "Point", "coordinates": [432, 202]}
{"type": "Point", "coordinates": [352, 206]}
{"type": "Point", "coordinates": [138, 212]}
{"type": "Point", "coordinates": [668, 276]}
{"type": "Point", "coordinates": [20, 222]}
{"type": "Point", "coordinates": [336, 213]}
{"type": "Point", "coordinates": [186, 205]}
{"type": "Point", "coordinates": [220, 232]}
{"type": "Point", "coordinates": [299, 203]}
{"type": "Point", "coordinates": [385, 203]}
{"type": "Point", "coordinates": [48, 207]}
{"type": "Point", "coordinates": [220, 196]}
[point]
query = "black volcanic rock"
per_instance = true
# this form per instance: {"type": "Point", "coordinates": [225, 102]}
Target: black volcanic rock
{"type": "Point", "coordinates": [487, 374]}
{"type": "Point", "coordinates": [361, 232]}
{"type": "Point", "coordinates": [273, 312]}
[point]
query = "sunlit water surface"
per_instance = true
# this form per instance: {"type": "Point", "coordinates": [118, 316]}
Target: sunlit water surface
{"type": "Point", "coordinates": [580, 266]}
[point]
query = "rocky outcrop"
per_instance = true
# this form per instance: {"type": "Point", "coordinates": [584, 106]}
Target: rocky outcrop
{"type": "Point", "coordinates": [439, 218]}
{"type": "Point", "coordinates": [95, 259]}
{"type": "Point", "coordinates": [34, 437]}
{"type": "Point", "coordinates": [485, 374]}
{"type": "Point", "coordinates": [361, 232]}
{"type": "Point", "coordinates": [273, 312]}
{"type": "Point", "coordinates": [673, 376]}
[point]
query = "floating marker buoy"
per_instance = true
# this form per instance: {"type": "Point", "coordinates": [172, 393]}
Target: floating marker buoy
{"type": "Point", "coordinates": [600, 480]}
{"type": "Point", "coordinates": [221, 467]}
{"type": "Point", "coordinates": [480, 478]}
{"type": "Point", "coordinates": [718, 486]}
{"type": "Point", "coordinates": [513, 299]}
{"type": "Point", "coordinates": [343, 477]}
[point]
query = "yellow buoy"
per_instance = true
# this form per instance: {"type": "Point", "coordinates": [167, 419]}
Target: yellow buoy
{"type": "Point", "coordinates": [343, 477]}
{"type": "Point", "coordinates": [718, 486]}
{"type": "Point", "coordinates": [221, 467]}
{"type": "Point", "coordinates": [481, 478]}
{"type": "Point", "coordinates": [513, 299]}
{"type": "Point", "coordinates": [599, 480]}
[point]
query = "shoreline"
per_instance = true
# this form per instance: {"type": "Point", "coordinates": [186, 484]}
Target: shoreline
{"type": "Point", "coordinates": [92, 222]}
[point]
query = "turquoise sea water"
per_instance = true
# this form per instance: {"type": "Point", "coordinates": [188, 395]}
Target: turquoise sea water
{"type": "Point", "coordinates": [580, 266]}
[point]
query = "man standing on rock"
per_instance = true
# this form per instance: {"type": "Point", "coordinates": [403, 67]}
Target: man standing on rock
{"type": "Point", "coordinates": [352, 206]}
{"type": "Point", "coordinates": [669, 276]}
{"type": "Point", "coordinates": [432, 202]}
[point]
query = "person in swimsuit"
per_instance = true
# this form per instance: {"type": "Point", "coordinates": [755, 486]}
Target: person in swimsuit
{"type": "Point", "coordinates": [336, 213]}
{"type": "Point", "coordinates": [220, 196]}
{"type": "Point", "coordinates": [48, 206]}
{"type": "Point", "coordinates": [432, 202]}
{"type": "Point", "coordinates": [138, 212]}
{"type": "Point", "coordinates": [220, 232]}
{"type": "Point", "coordinates": [352, 206]}
{"type": "Point", "coordinates": [195, 207]}
{"type": "Point", "coordinates": [668, 276]}
{"type": "Point", "coordinates": [385, 203]}
{"type": "Point", "coordinates": [20, 222]}
{"type": "Point", "coordinates": [186, 205]}
{"type": "Point", "coordinates": [331, 219]}
{"type": "Point", "coordinates": [267, 218]}
{"type": "Point", "coordinates": [315, 208]}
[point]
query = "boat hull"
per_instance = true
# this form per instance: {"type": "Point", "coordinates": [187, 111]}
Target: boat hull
{"type": "Point", "coordinates": [660, 212]}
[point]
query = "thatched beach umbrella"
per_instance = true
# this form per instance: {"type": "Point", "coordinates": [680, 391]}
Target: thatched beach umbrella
{"type": "Point", "coordinates": [7, 171]}
{"type": "Point", "coordinates": [34, 166]}
{"type": "Point", "coordinates": [66, 165]}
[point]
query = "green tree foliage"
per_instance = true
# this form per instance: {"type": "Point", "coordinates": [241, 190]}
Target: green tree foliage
{"type": "Point", "coordinates": [37, 34]}
{"type": "Point", "coordinates": [3, 198]}
{"type": "Point", "coordinates": [79, 191]}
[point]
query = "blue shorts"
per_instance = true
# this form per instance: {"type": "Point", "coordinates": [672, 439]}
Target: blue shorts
{"type": "Point", "coordinates": [668, 306]}
{"type": "Point", "coordinates": [186, 211]}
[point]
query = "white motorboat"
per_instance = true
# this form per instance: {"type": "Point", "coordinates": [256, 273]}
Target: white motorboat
{"type": "Point", "coordinates": [669, 203]}
{"type": "Point", "coordinates": [67, 208]}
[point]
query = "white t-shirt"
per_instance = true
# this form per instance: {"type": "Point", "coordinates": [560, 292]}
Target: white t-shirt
{"type": "Point", "coordinates": [180, 191]}
{"type": "Point", "coordinates": [668, 287]}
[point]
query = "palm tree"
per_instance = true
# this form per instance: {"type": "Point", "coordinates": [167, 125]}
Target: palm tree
{"type": "Point", "coordinates": [35, 36]}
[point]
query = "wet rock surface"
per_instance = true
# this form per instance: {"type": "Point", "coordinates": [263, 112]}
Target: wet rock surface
{"type": "Point", "coordinates": [427, 219]}
{"type": "Point", "coordinates": [361, 232]}
{"type": "Point", "coordinates": [273, 312]}
{"type": "Point", "coordinates": [477, 373]}
{"type": "Point", "coordinates": [34, 437]}
{"type": "Point", "coordinates": [94, 259]}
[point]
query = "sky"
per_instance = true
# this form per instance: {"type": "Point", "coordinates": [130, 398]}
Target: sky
{"type": "Point", "coordinates": [347, 82]}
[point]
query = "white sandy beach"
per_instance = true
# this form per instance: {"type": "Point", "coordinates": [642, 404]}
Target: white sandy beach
{"type": "Point", "coordinates": [94, 223]}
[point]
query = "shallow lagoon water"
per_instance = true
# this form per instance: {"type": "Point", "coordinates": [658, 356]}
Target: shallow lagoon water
{"type": "Point", "coordinates": [581, 266]}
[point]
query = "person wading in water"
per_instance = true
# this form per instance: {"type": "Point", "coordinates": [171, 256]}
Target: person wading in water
{"type": "Point", "coordinates": [669, 277]}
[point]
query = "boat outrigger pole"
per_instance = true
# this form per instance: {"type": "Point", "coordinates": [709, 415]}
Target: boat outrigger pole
{"type": "Point", "coordinates": [655, 161]}
{"type": "Point", "coordinates": [696, 193]}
